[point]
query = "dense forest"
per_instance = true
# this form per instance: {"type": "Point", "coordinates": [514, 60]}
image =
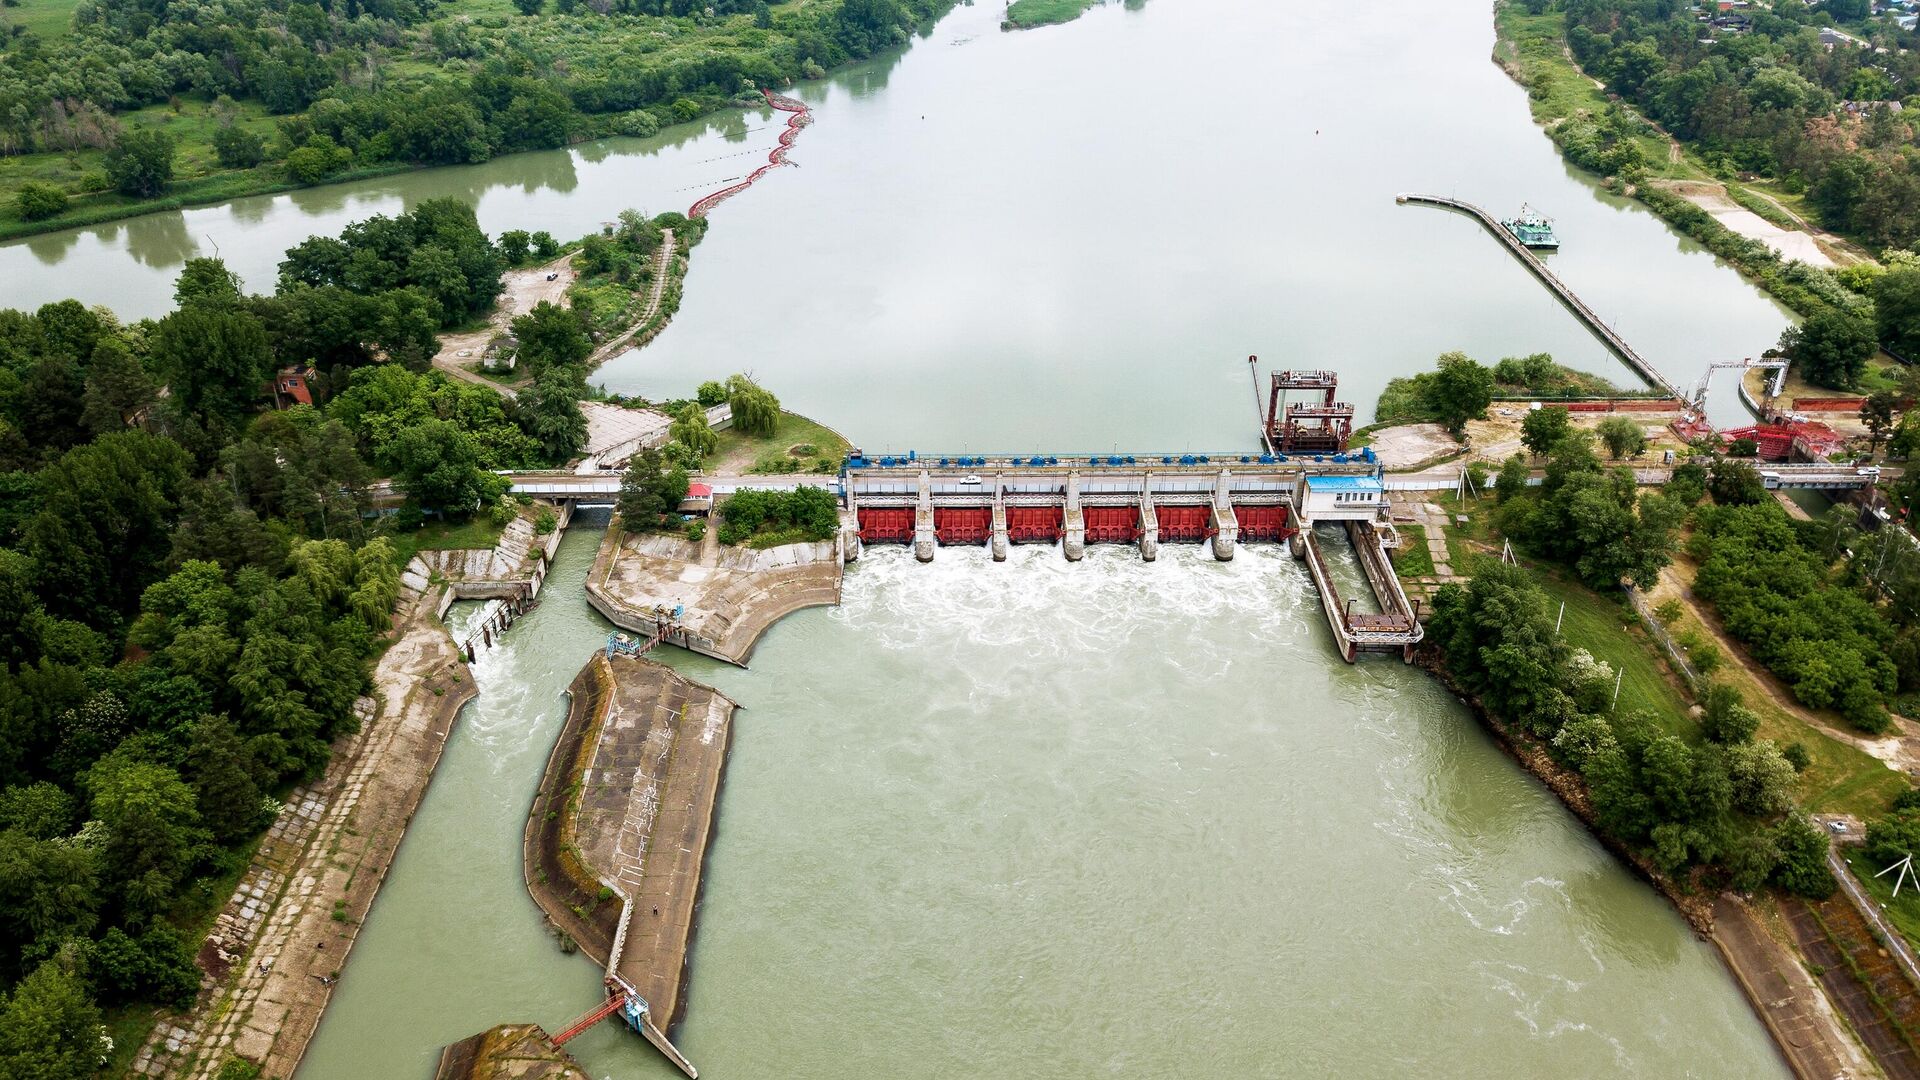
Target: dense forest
{"type": "Point", "coordinates": [193, 583]}
{"type": "Point", "coordinates": [252, 94]}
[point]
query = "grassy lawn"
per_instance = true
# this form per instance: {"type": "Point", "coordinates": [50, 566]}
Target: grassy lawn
{"type": "Point", "coordinates": [739, 452]}
{"type": "Point", "coordinates": [1026, 13]}
{"type": "Point", "coordinates": [1413, 559]}
{"type": "Point", "coordinates": [46, 19]}
{"type": "Point", "coordinates": [446, 535]}
{"type": "Point", "coordinates": [1602, 626]}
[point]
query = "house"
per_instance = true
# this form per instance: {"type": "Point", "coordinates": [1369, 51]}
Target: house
{"type": "Point", "coordinates": [293, 385]}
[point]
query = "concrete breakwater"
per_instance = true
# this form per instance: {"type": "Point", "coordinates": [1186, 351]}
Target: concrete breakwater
{"type": "Point", "coordinates": [707, 598]}
{"type": "Point", "coordinates": [619, 831]}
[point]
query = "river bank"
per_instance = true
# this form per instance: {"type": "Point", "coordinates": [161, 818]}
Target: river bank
{"type": "Point", "coordinates": [1532, 50]}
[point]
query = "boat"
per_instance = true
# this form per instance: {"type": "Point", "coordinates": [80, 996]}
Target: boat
{"type": "Point", "coordinates": [1532, 228]}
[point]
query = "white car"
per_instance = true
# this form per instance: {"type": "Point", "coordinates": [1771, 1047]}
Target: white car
{"type": "Point", "coordinates": [970, 479]}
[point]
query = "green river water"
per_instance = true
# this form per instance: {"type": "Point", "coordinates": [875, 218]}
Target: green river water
{"type": "Point", "coordinates": [1100, 819]}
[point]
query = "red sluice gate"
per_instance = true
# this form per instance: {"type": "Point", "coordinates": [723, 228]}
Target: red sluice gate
{"type": "Point", "coordinates": [886, 525]}
{"type": "Point", "coordinates": [1260, 523]}
{"type": "Point", "coordinates": [1179, 523]}
{"type": "Point", "coordinates": [1034, 524]}
{"type": "Point", "coordinates": [1111, 524]}
{"type": "Point", "coordinates": [962, 525]}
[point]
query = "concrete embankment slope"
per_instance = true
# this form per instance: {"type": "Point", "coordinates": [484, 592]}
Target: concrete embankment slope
{"type": "Point", "coordinates": [619, 830]}
{"type": "Point", "coordinates": [728, 596]}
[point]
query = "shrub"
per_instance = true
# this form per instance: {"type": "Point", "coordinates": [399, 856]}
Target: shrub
{"type": "Point", "coordinates": [1669, 610]}
{"type": "Point", "coordinates": [37, 202]}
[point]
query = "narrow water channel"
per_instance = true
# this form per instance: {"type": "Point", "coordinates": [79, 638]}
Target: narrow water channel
{"type": "Point", "coordinates": [1052, 819]}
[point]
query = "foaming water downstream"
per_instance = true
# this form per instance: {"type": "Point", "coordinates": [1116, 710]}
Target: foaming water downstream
{"type": "Point", "coordinates": [1039, 818]}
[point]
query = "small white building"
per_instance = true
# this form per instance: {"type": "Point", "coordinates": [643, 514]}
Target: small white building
{"type": "Point", "coordinates": [1340, 498]}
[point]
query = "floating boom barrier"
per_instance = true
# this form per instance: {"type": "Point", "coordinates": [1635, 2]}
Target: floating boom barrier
{"type": "Point", "coordinates": [799, 117]}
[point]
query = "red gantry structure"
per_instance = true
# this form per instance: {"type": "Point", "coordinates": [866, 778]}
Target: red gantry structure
{"type": "Point", "coordinates": [1311, 426]}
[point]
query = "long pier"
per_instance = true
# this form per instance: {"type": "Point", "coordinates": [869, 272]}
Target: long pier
{"type": "Point", "coordinates": [1601, 330]}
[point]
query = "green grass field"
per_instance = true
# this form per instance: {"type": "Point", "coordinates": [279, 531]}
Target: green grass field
{"type": "Point", "coordinates": [739, 452]}
{"type": "Point", "coordinates": [1413, 559]}
{"type": "Point", "coordinates": [446, 535]}
{"type": "Point", "coordinates": [1601, 626]}
{"type": "Point", "coordinates": [45, 19]}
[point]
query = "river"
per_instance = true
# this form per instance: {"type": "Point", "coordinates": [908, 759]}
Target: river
{"type": "Point", "coordinates": [1052, 819]}
{"type": "Point", "coordinates": [1109, 818]}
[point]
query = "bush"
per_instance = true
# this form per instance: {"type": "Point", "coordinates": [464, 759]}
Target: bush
{"type": "Point", "coordinates": [806, 513]}
{"type": "Point", "coordinates": [1669, 610]}
{"type": "Point", "coordinates": [238, 148]}
{"type": "Point", "coordinates": [696, 530]}
{"type": "Point", "coordinates": [37, 202]}
{"type": "Point", "coordinates": [545, 521]}
{"type": "Point", "coordinates": [238, 1069]}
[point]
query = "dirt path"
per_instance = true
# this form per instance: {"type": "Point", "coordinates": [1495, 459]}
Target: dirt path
{"type": "Point", "coordinates": [522, 291]}
{"type": "Point", "coordinates": [662, 270]}
{"type": "Point", "coordinates": [278, 949]}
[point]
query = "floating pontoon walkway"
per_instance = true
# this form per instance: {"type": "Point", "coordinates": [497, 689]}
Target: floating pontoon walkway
{"type": "Point", "coordinates": [1559, 288]}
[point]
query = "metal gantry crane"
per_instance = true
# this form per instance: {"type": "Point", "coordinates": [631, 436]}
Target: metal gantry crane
{"type": "Point", "coordinates": [1778, 365]}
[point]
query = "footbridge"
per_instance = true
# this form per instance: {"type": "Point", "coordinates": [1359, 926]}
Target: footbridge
{"type": "Point", "coordinates": [1601, 330]}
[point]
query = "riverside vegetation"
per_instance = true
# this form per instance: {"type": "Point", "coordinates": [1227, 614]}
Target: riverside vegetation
{"type": "Point", "coordinates": [132, 107]}
{"type": "Point", "coordinates": [1782, 118]}
{"type": "Point", "coordinates": [194, 586]}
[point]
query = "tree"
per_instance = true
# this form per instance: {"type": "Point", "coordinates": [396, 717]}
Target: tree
{"type": "Point", "coordinates": [1735, 483]}
{"type": "Point", "coordinates": [514, 243]}
{"type": "Point", "coordinates": [49, 1030]}
{"type": "Point", "coordinates": [1830, 349]}
{"type": "Point", "coordinates": [549, 412]}
{"type": "Point", "coordinates": [529, 7]}
{"type": "Point", "coordinates": [710, 394]}
{"type": "Point", "coordinates": [140, 163]}
{"type": "Point", "coordinates": [1512, 480]}
{"type": "Point", "coordinates": [101, 530]}
{"type": "Point", "coordinates": [1726, 720]}
{"type": "Point", "coordinates": [214, 360]}
{"type": "Point", "coordinates": [690, 430]}
{"type": "Point", "coordinates": [1803, 859]}
{"type": "Point", "coordinates": [544, 245]}
{"type": "Point", "coordinates": [152, 828]}
{"type": "Point", "coordinates": [221, 770]}
{"type": "Point", "coordinates": [1543, 427]}
{"type": "Point", "coordinates": [755, 410]}
{"type": "Point", "coordinates": [1762, 778]}
{"type": "Point", "coordinates": [1877, 412]}
{"type": "Point", "coordinates": [1461, 390]}
{"type": "Point", "coordinates": [649, 490]}
{"type": "Point", "coordinates": [34, 201]}
{"type": "Point", "coordinates": [439, 466]}
{"type": "Point", "coordinates": [117, 388]}
{"type": "Point", "coordinates": [207, 282]}
{"type": "Point", "coordinates": [1623, 437]}
{"type": "Point", "coordinates": [550, 336]}
{"type": "Point", "coordinates": [238, 148]}
{"type": "Point", "coordinates": [1896, 310]}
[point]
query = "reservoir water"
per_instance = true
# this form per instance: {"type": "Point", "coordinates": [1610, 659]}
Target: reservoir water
{"type": "Point", "coordinates": [1101, 819]}
{"type": "Point", "coordinates": [1083, 230]}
